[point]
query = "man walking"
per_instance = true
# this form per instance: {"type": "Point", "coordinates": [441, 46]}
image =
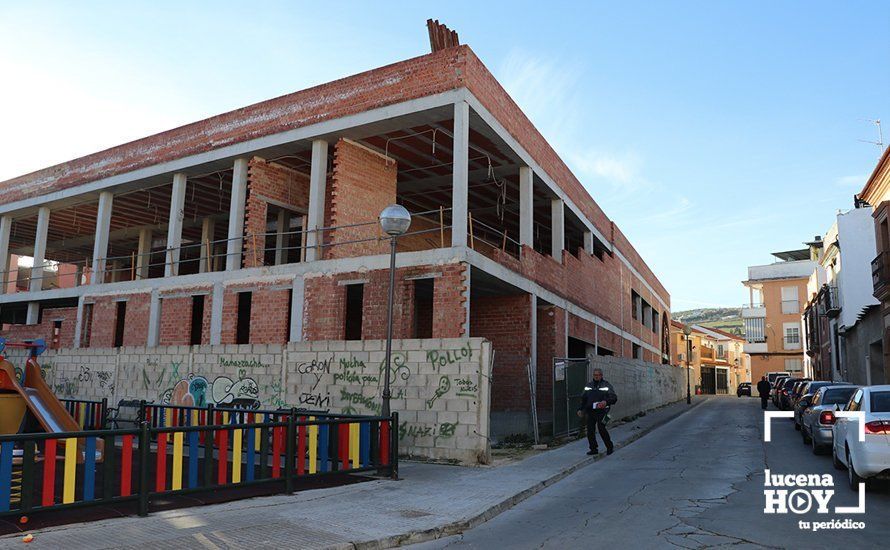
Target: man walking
{"type": "Point", "coordinates": [598, 398]}
{"type": "Point", "coordinates": [763, 389]}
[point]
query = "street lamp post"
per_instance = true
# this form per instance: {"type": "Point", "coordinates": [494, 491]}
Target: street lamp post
{"type": "Point", "coordinates": [394, 220]}
{"type": "Point", "coordinates": [687, 330]}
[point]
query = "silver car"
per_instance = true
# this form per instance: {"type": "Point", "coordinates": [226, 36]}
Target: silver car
{"type": "Point", "coordinates": [817, 419]}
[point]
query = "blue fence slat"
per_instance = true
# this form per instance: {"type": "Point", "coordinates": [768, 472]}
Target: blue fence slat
{"type": "Point", "coordinates": [323, 447]}
{"type": "Point", "coordinates": [193, 459]}
{"type": "Point", "coordinates": [89, 469]}
{"type": "Point", "coordinates": [365, 443]}
{"type": "Point", "coordinates": [5, 474]}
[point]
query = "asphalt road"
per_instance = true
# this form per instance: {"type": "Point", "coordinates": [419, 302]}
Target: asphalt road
{"type": "Point", "coordinates": [696, 482]}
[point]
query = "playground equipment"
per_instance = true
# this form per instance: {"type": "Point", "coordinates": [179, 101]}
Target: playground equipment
{"type": "Point", "coordinates": [32, 395]}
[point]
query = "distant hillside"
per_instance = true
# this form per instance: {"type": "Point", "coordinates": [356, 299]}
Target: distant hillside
{"type": "Point", "coordinates": [724, 318]}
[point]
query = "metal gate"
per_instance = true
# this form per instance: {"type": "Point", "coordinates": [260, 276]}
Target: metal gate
{"type": "Point", "coordinates": [722, 382]}
{"type": "Point", "coordinates": [569, 378]}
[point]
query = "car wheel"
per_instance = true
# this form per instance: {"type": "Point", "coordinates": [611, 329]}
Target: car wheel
{"type": "Point", "coordinates": [817, 449]}
{"type": "Point", "coordinates": [838, 465]}
{"type": "Point", "coordinates": [852, 476]}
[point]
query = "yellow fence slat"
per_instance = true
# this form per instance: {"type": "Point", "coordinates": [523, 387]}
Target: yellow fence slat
{"type": "Point", "coordinates": [70, 470]}
{"type": "Point", "coordinates": [236, 456]}
{"type": "Point", "coordinates": [177, 461]}
{"type": "Point", "coordinates": [313, 446]}
{"type": "Point", "coordinates": [354, 445]}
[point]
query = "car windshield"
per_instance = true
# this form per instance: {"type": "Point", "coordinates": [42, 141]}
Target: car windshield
{"type": "Point", "coordinates": [880, 402]}
{"type": "Point", "coordinates": [838, 396]}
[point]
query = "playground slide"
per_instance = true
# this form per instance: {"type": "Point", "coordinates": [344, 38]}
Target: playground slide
{"type": "Point", "coordinates": [38, 397]}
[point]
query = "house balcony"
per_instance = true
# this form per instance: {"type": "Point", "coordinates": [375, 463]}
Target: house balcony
{"type": "Point", "coordinates": [880, 275]}
{"type": "Point", "coordinates": [752, 311]}
{"type": "Point", "coordinates": [755, 347]}
{"type": "Point", "coordinates": [832, 301]}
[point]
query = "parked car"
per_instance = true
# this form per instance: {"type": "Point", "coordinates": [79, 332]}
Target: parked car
{"type": "Point", "coordinates": [797, 391]}
{"type": "Point", "coordinates": [784, 394]}
{"type": "Point", "coordinates": [870, 458]}
{"type": "Point", "coordinates": [817, 418]}
{"type": "Point", "coordinates": [809, 390]}
{"type": "Point", "coordinates": [774, 392]}
{"type": "Point", "coordinates": [743, 389]}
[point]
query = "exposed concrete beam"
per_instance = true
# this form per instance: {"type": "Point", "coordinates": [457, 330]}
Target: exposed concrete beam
{"type": "Point", "coordinates": [280, 230]}
{"type": "Point", "coordinates": [103, 228]}
{"type": "Point", "coordinates": [208, 229]}
{"type": "Point", "coordinates": [557, 229]}
{"type": "Point", "coordinates": [235, 245]}
{"type": "Point", "coordinates": [143, 253]}
{"type": "Point", "coordinates": [318, 176]}
{"type": "Point", "coordinates": [5, 227]}
{"type": "Point", "coordinates": [526, 206]}
{"type": "Point", "coordinates": [459, 171]}
{"type": "Point", "coordinates": [174, 227]}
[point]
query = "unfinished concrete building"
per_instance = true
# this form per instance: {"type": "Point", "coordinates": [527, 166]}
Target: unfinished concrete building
{"type": "Point", "coordinates": [259, 226]}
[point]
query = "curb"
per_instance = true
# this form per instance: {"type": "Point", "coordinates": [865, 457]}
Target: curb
{"type": "Point", "coordinates": [456, 527]}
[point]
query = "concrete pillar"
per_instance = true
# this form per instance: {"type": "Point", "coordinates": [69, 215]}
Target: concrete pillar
{"type": "Point", "coordinates": [174, 227]}
{"type": "Point", "coordinates": [588, 242]}
{"type": "Point", "coordinates": [526, 206]}
{"type": "Point", "coordinates": [5, 228]}
{"type": "Point", "coordinates": [280, 230]}
{"type": "Point", "coordinates": [460, 175]}
{"type": "Point", "coordinates": [318, 177]}
{"type": "Point", "coordinates": [296, 310]}
{"type": "Point", "coordinates": [208, 227]}
{"type": "Point", "coordinates": [78, 322]}
{"type": "Point", "coordinates": [235, 245]}
{"type": "Point", "coordinates": [154, 318]}
{"type": "Point", "coordinates": [533, 336]}
{"type": "Point", "coordinates": [39, 258]}
{"type": "Point", "coordinates": [143, 253]}
{"type": "Point", "coordinates": [100, 245]}
{"type": "Point", "coordinates": [557, 229]}
{"type": "Point", "coordinates": [216, 313]}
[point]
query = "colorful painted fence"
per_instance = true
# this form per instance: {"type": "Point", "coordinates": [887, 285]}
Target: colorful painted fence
{"type": "Point", "coordinates": [52, 471]}
{"type": "Point", "coordinates": [89, 415]}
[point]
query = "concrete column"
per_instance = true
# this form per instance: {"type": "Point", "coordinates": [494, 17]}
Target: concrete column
{"type": "Point", "coordinates": [460, 175]}
{"type": "Point", "coordinates": [296, 310]}
{"type": "Point", "coordinates": [526, 206]}
{"type": "Point", "coordinates": [39, 258]}
{"type": "Point", "coordinates": [208, 227]}
{"type": "Point", "coordinates": [174, 227]}
{"type": "Point", "coordinates": [533, 335]}
{"type": "Point", "coordinates": [318, 177]}
{"type": "Point", "coordinates": [78, 322]}
{"type": "Point", "coordinates": [154, 318]}
{"type": "Point", "coordinates": [100, 245]}
{"type": "Point", "coordinates": [143, 253]}
{"type": "Point", "coordinates": [557, 229]}
{"type": "Point", "coordinates": [280, 230]}
{"type": "Point", "coordinates": [216, 313]}
{"type": "Point", "coordinates": [588, 242]}
{"type": "Point", "coordinates": [235, 245]}
{"type": "Point", "coordinates": [5, 228]}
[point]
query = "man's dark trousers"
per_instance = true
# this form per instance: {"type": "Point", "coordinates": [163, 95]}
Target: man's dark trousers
{"type": "Point", "coordinates": [764, 399]}
{"type": "Point", "coordinates": [594, 424]}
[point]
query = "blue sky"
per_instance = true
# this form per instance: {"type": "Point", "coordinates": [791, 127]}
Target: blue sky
{"type": "Point", "coordinates": [712, 132]}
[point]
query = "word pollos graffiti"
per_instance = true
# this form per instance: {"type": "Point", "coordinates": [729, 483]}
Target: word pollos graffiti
{"type": "Point", "coordinates": [440, 358]}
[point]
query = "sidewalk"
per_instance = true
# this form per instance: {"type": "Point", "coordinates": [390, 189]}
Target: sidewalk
{"type": "Point", "coordinates": [430, 501]}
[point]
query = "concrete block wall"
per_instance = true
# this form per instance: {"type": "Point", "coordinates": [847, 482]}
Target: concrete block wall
{"type": "Point", "coordinates": [440, 386]}
{"type": "Point", "coordinates": [640, 385]}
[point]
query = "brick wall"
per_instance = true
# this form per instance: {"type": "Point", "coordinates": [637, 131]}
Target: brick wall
{"type": "Point", "coordinates": [551, 343]}
{"type": "Point", "coordinates": [45, 329]}
{"type": "Point", "coordinates": [363, 184]}
{"type": "Point", "coordinates": [269, 181]}
{"type": "Point", "coordinates": [105, 318]}
{"type": "Point", "coordinates": [439, 386]}
{"type": "Point", "coordinates": [506, 322]}
{"type": "Point", "coordinates": [175, 321]}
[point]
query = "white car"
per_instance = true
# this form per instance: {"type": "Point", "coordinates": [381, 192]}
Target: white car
{"type": "Point", "coordinates": [869, 458]}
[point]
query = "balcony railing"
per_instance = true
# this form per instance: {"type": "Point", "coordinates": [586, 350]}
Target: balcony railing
{"type": "Point", "coordinates": [832, 303]}
{"type": "Point", "coordinates": [880, 275]}
{"type": "Point", "coordinates": [707, 353]}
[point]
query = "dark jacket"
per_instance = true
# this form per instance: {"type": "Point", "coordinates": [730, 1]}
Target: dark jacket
{"type": "Point", "coordinates": [763, 388]}
{"type": "Point", "coordinates": [595, 392]}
